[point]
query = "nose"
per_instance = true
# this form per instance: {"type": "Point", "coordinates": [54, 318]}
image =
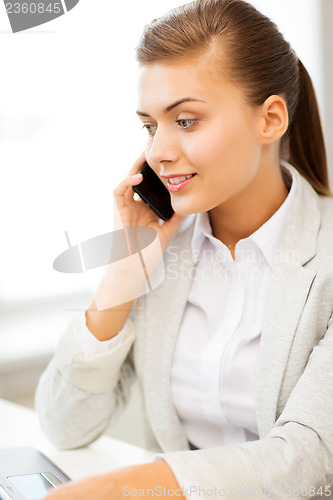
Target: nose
{"type": "Point", "coordinates": [162, 148]}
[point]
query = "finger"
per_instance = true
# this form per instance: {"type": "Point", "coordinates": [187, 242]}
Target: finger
{"type": "Point", "coordinates": [137, 165]}
{"type": "Point", "coordinates": [128, 196]}
{"type": "Point", "coordinates": [124, 201]}
{"type": "Point", "coordinates": [125, 188]}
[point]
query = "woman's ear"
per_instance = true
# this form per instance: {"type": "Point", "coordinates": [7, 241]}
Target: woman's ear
{"type": "Point", "coordinates": [274, 119]}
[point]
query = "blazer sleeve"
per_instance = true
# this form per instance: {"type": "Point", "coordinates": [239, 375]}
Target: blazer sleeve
{"type": "Point", "coordinates": [294, 460]}
{"type": "Point", "coordinates": [78, 397]}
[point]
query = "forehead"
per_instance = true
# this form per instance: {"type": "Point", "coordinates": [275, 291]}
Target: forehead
{"type": "Point", "coordinates": [164, 83]}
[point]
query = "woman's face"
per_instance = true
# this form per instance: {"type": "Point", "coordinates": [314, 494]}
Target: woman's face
{"type": "Point", "coordinates": [198, 123]}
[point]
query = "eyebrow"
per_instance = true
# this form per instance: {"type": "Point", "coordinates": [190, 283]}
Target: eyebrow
{"type": "Point", "coordinates": [172, 106]}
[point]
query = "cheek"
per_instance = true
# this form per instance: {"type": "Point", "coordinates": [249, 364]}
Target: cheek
{"type": "Point", "coordinates": [230, 142]}
{"type": "Point", "coordinates": [225, 143]}
{"type": "Point", "coordinates": [148, 145]}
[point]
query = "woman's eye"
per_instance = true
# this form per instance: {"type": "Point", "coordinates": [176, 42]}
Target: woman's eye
{"type": "Point", "coordinates": [186, 123]}
{"type": "Point", "coordinates": [151, 129]}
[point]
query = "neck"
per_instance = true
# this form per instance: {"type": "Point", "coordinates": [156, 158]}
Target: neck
{"type": "Point", "coordinates": [244, 213]}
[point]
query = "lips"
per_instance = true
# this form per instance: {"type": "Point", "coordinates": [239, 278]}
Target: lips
{"type": "Point", "coordinates": [175, 184]}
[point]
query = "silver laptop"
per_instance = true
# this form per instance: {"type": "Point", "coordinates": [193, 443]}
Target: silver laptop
{"type": "Point", "coordinates": [27, 474]}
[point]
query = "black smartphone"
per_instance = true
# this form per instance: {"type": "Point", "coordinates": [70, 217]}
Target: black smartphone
{"type": "Point", "coordinates": [153, 192]}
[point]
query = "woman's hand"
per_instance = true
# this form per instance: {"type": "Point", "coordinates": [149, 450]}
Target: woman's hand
{"type": "Point", "coordinates": [130, 212]}
{"type": "Point", "coordinates": [122, 483]}
{"type": "Point", "coordinates": [123, 281]}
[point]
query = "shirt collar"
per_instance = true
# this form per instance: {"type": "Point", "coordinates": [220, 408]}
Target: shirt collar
{"type": "Point", "coordinates": [202, 230]}
{"type": "Point", "coordinates": [267, 237]}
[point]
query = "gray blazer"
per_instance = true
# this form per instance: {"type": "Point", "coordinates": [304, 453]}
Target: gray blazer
{"type": "Point", "coordinates": [77, 397]}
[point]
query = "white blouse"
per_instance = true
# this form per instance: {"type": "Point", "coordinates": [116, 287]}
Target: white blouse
{"type": "Point", "coordinates": [214, 366]}
{"type": "Point", "coordinates": [215, 359]}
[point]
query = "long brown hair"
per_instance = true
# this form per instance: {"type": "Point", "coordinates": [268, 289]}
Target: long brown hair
{"type": "Point", "coordinates": [254, 54]}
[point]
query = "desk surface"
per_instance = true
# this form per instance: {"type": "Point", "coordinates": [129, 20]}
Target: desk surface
{"type": "Point", "coordinates": [19, 427]}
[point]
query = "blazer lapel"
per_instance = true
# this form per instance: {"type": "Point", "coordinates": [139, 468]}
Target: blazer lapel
{"type": "Point", "coordinates": [290, 286]}
{"type": "Point", "coordinates": [162, 330]}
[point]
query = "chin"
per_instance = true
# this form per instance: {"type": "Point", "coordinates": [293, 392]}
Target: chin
{"type": "Point", "coordinates": [185, 210]}
{"type": "Point", "coordinates": [189, 208]}
{"type": "Point", "coordinates": [184, 205]}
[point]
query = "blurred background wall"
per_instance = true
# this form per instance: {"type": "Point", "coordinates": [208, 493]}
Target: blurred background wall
{"type": "Point", "coordinates": [68, 134]}
{"type": "Point", "coordinates": [326, 11]}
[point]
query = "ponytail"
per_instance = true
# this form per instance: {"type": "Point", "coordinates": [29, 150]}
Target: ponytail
{"type": "Point", "coordinates": [306, 141]}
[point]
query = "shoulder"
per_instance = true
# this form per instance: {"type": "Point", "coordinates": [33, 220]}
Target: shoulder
{"type": "Point", "coordinates": [325, 204]}
{"type": "Point", "coordinates": [313, 218]}
{"type": "Point", "coordinates": [324, 245]}
{"type": "Point", "coordinates": [325, 235]}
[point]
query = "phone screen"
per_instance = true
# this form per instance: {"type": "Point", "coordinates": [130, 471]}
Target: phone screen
{"type": "Point", "coordinates": [32, 486]}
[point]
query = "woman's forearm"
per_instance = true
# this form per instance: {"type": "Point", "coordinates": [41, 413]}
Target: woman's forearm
{"type": "Point", "coordinates": [137, 480]}
{"type": "Point", "coordinates": [105, 324]}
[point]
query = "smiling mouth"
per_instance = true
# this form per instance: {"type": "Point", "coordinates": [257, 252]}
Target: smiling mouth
{"type": "Point", "coordinates": [177, 180]}
{"type": "Point", "coordinates": [175, 184]}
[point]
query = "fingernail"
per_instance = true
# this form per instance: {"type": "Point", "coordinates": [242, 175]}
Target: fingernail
{"type": "Point", "coordinates": [137, 175]}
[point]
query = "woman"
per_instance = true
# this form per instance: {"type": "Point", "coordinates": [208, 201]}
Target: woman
{"type": "Point", "coordinates": [233, 352]}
